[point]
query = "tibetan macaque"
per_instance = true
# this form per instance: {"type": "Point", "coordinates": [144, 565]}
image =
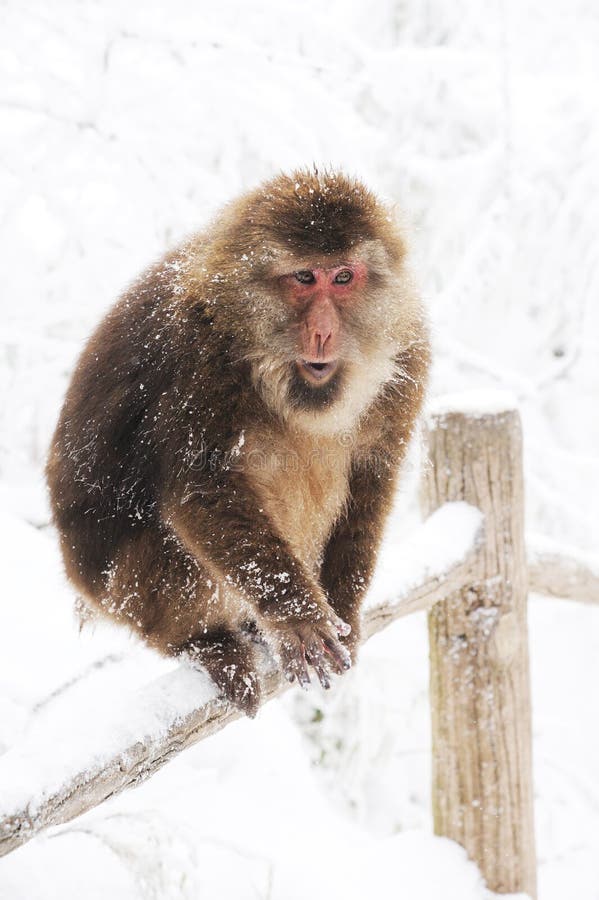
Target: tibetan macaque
{"type": "Point", "coordinates": [228, 447]}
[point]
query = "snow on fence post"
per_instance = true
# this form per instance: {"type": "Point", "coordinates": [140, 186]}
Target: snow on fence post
{"type": "Point", "coordinates": [479, 671]}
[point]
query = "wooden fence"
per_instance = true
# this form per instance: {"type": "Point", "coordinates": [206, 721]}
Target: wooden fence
{"type": "Point", "coordinates": [476, 597]}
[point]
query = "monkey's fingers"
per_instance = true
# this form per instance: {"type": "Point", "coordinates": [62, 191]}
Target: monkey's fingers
{"type": "Point", "coordinates": [340, 626]}
{"type": "Point", "coordinates": [339, 654]}
{"type": "Point", "coordinates": [323, 675]}
{"type": "Point", "coordinates": [294, 663]}
{"type": "Point", "coordinates": [316, 657]}
{"type": "Point", "coordinates": [303, 675]}
{"type": "Point", "coordinates": [294, 672]}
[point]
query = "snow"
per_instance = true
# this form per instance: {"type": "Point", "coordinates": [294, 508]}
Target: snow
{"type": "Point", "coordinates": [74, 740]}
{"type": "Point", "coordinates": [473, 403]}
{"type": "Point", "coordinates": [49, 757]}
{"type": "Point", "coordinates": [123, 127]}
{"type": "Point", "coordinates": [443, 541]}
{"type": "Point", "coordinates": [283, 841]}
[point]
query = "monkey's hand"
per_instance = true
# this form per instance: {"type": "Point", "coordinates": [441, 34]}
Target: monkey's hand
{"type": "Point", "coordinates": [238, 543]}
{"type": "Point", "coordinates": [313, 642]}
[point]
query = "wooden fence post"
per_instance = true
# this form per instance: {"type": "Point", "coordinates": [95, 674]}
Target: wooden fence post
{"type": "Point", "coordinates": [479, 672]}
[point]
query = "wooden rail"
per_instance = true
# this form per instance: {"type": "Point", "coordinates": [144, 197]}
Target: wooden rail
{"type": "Point", "coordinates": [52, 780]}
{"type": "Point", "coordinates": [467, 566]}
{"type": "Point", "coordinates": [559, 571]}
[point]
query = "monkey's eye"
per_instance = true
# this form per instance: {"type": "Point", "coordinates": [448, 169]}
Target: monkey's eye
{"type": "Point", "coordinates": [343, 277]}
{"type": "Point", "coordinates": [305, 276]}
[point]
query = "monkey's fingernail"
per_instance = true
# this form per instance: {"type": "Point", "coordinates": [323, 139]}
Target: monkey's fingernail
{"type": "Point", "coordinates": [303, 676]}
{"type": "Point", "coordinates": [344, 658]}
{"type": "Point", "coordinates": [323, 676]}
{"type": "Point", "coordinates": [343, 628]}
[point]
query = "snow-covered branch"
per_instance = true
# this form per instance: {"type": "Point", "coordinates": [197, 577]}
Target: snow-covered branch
{"type": "Point", "coordinates": [48, 782]}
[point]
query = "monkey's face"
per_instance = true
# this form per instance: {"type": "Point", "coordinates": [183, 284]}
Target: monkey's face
{"type": "Point", "coordinates": [317, 297]}
{"type": "Point", "coordinates": [327, 332]}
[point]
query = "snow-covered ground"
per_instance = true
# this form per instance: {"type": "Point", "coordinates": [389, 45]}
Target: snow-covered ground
{"type": "Point", "coordinates": [122, 127]}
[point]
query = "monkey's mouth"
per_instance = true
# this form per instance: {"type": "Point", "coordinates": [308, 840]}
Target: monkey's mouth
{"type": "Point", "coordinates": [317, 372]}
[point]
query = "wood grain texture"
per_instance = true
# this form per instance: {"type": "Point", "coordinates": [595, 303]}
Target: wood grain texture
{"type": "Point", "coordinates": [479, 670]}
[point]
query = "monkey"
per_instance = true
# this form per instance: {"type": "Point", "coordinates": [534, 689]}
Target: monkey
{"type": "Point", "coordinates": [230, 441]}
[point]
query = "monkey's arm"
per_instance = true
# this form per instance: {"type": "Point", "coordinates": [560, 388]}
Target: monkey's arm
{"type": "Point", "coordinates": [350, 555]}
{"type": "Point", "coordinates": [351, 552]}
{"type": "Point", "coordinates": [224, 527]}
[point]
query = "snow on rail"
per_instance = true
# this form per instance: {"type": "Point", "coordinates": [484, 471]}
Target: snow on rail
{"type": "Point", "coordinates": [49, 779]}
{"type": "Point", "coordinates": [488, 402]}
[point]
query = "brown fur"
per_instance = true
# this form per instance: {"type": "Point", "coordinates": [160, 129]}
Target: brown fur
{"type": "Point", "coordinates": [199, 499]}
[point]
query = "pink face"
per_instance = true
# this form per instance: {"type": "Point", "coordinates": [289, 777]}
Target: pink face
{"type": "Point", "coordinates": [318, 295]}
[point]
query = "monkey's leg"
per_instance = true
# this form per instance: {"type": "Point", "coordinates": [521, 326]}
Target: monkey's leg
{"type": "Point", "coordinates": [229, 659]}
{"type": "Point", "coordinates": [166, 595]}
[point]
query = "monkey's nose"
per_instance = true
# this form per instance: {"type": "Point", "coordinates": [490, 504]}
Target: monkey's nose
{"type": "Point", "coordinates": [320, 340]}
{"type": "Point", "coordinates": [322, 329]}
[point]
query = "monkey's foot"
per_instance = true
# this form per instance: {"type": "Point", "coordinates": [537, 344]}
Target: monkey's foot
{"type": "Point", "coordinates": [229, 660]}
{"type": "Point", "coordinates": [316, 645]}
{"type": "Point", "coordinates": [252, 632]}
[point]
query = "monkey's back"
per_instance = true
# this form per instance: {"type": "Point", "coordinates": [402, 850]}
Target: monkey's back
{"type": "Point", "coordinates": [103, 463]}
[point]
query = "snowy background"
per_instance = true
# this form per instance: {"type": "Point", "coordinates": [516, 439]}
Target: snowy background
{"type": "Point", "coordinates": [122, 128]}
